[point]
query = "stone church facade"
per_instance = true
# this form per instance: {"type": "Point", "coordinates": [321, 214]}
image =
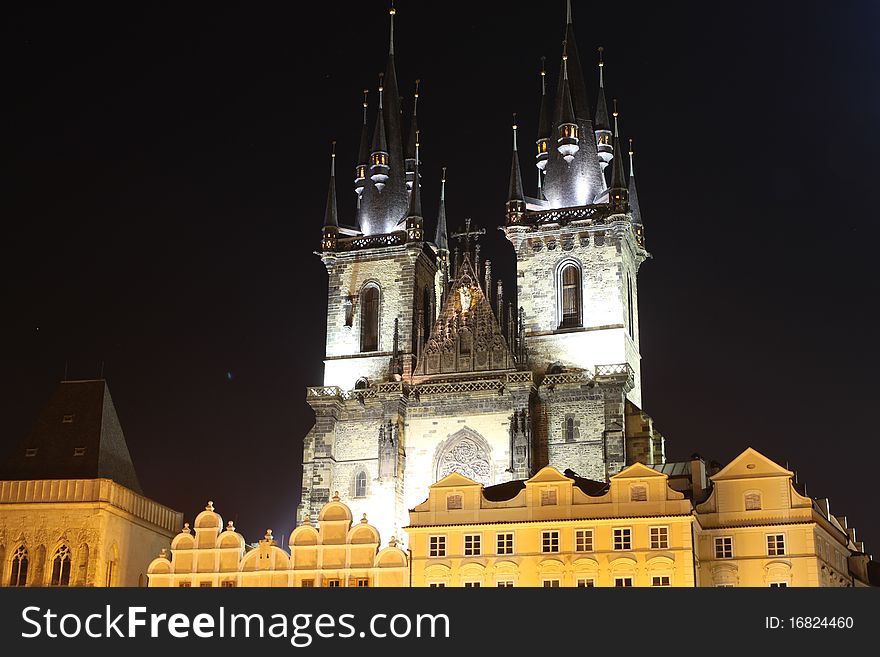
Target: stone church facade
{"type": "Point", "coordinates": [429, 370]}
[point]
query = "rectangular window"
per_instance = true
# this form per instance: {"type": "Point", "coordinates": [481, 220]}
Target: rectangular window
{"type": "Point", "coordinates": [361, 582]}
{"type": "Point", "coordinates": [437, 546]}
{"type": "Point", "coordinates": [583, 540]}
{"type": "Point", "coordinates": [68, 419]}
{"type": "Point", "coordinates": [753, 501]}
{"type": "Point", "coordinates": [505, 543]}
{"type": "Point", "coordinates": [30, 451]}
{"type": "Point", "coordinates": [308, 583]}
{"type": "Point", "coordinates": [724, 547]}
{"type": "Point", "coordinates": [662, 580]}
{"type": "Point", "coordinates": [453, 502]}
{"type": "Point", "coordinates": [332, 583]}
{"type": "Point", "coordinates": [204, 585]}
{"type": "Point", "coordinates": [638, 494]}
{"type": "Point", "coordinates": [623, 581]}
{"type": "Point", "coordinates": [437, 585]}
{"type": "Point", "coordinates": [79, 451]}
{"type": "Point", "coordinates": [184, 585]}
{"type": "Point", "coordinates": [659, 538]}
{"type": "Point", "coordinates": [548, 497]}
{"type": "Point", "coordinates": [227, 584]}
{"type": "Point", "coordinates": [504, 584]}
{"type": "Point", "coordinates": [472, 585]}
{"type": "Point", "coordinates": [775, 545]}
{"type": "Point", "coordinates": [550, 541]}
{"type": "Point", "coordinates": [551, 583]}
{"type": "Point", "coordinates": [586, 582]}
{"type": "Point", "coordinates": [623, 538]}
{"type": "Point", "coordinates": [472, 545]}
{"type": "Point", "coordinates": [778, 585]}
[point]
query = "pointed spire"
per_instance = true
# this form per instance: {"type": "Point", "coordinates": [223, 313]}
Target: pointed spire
{"type": "Point", "coordinates": [331, 218]}
{"type": "Point", "coordinates": [364, 150]}
{"type": "Point", "coordinates": [515, 193]}
{"type": "Point", "coordinates": [391, 12]}
{"type": "Point", "coordinates": [601, 122]}
{"type": "Point", "coordinates": [617, 190]}
{"type": "Point", "coordinates": [633, 194]}
{"type": "Point", "coordinates": [380, 144]}
{"type": "Point", "coordinates": [413, 128]}
{"type": "Point", "coordinates": [441, 239]}
{"type": "Point", "coordinates": [379, 158]}
{"type": "Point", "coordinates": [579, 95]}
{"type": "Point", "coordinates": [545, 128]}
{"type": "Point", "coordinates": [568, 12]}
{"type": "Point", "coordinates": [415, 198]}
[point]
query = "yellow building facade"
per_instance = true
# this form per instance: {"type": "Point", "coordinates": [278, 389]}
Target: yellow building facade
{"type": "Point", "coordinates": [337, 553]}
{"type": "Point", "coordinates": [756, 529]}
{"type": "Point", "coordinates": [554, 531]}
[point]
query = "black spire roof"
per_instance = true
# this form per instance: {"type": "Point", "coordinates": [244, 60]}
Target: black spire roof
{"type": "Point", "coordinates": [441, 238]}
{"type": "Point", "coordinates": [618, 180]}
{"type": "Point", "coordinates": [545, 128]}
{"type": "Point", "coordinates": [575, 72]}
{"type": "Point", "coordinates": [364, 150]}
{"type": "Point", "coordinates": [331, 217]}
{"type": "Point", "coordinates": [380, 143]}
{"type": "Point", "coordinates": [515, 193]}
{"type": "Point", "coordinates": [601, 122]}
{"type": "Point", "coordinates": [77, 435]}
{"type": "Point", "coordinates": [633, 194]}
{"type": "Point", "coordinates": [566, 109]}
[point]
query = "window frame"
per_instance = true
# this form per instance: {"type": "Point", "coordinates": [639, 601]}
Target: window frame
{"type": "Point", "coordinates": [476, 545]}
{"type": "Point", "coordinates": [439, 548]}
{"type": "Point", "coordinates": [725, 549]}
{"type": "Point", "coordinates": [362, 317]}
{"type": "Point", "coordinates": [549, 539]}
{"type": "Point", "coordinates": [551, 582]}
{"type": "Point", "coordinates": [655, 578]}
{"type": "Point", "coordinates": [581, 543]}
{"type": "Point", "coordinates": [778, 548]}
{"type": "Point", "coordinates": [588, 582]}
{"type": "Point", "coordinates": [571, 323]}
{"type": "Point", "coordinates": [508, 549]}
{"type": "Point", "coordinates": [626, 581]}
{"type": "Point", "coordinates": [627, 536]}
{"type": "Point", "coordinates": [662, 537]}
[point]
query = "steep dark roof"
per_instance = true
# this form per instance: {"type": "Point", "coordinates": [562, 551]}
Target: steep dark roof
{"type": "Point", "coordinates": [633, 192]}
{"type": "Point", "coordinates": [588, 486]}
{"type": "Point", "coordinates": [503, 492]}
{"type": "Point", "coordinates": [601, 122]}
{"type": "Point", "coordinates": [331, 216]}
{"type": "Point", "coordinates": [79, 418]}
{"type": "Point", "coordinates": [441, 238]}
{"type": "Point", "coordinates": [515, 191]}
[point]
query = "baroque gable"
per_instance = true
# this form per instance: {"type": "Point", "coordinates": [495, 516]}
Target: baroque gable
{"type": "Point", "coordinates": [466, 336]}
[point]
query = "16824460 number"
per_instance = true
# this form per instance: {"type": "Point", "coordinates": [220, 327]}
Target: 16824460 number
{"type": "Point", "coordinates": [820, 622]}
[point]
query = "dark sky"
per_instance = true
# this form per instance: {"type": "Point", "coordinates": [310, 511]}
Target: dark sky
{"type": "Point", "coordinates": [165, 173]}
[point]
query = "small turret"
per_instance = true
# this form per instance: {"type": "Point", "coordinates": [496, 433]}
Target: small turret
{"type": "Point", "coordinates": [601, 124]}
{"type": "Point", "coordinates": [379, 160]}
{"type": "Point", "coordinates": [441, 237]}
{"type": "Point", "coordinates": [617, 189]}
{"type": "Point", "coordinates": [567, 130]}
{"type": "Point", "coordinates": [516, 202]}
{"type": "Point", "coordinates": [545, 128]}
{"type": "Point", "coordinates": [331, 218]}
{"type": "Point", "coordinates": [360, 170]}
{"type": "Point", "coordinates": [411, 142]}
{"type": "Point", "coordinates": [634, 209]}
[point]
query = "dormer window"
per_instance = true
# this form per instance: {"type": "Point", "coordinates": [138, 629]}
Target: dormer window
{"type": "Point", "coordinates": [379, 159]}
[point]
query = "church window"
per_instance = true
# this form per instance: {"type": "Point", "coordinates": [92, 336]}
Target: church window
{"type": "Point", "coordinates": [472, 545]}
{"type": "Point", "coordinates": [775, 545]}
{"type": "Point", "coordinates": [61, 567]}
{"type": "Point", "coordinates": [437, 546]}
{"type": "Point", "coordinates": [348, 306]}
{"type": "Point", "coordinates": [569, 429]}
{"type": "Point", "coordinates": [622, 538]}
{"type": "Point", "coordinates": [550, 541]}
{"type": "Point", "coordinates": [753, 501]}
{"type": "Point", "coordinates": [660, 580]}
{"type": "Point", "coordinates": [548, 497]}
{"type": "Point", "coordinates": [362, 383]}
{"type": "Point", "coordinates": [583, 540]}
{"type": "Point", "coordinates": [79, 451]}
{"type": "Point", "coordinates": [505, 543]}
{"type": "Point", "coordinates": [19, 567]}
{"type": "Point", "coordinates": [111, 572]}
{"type": "Point", "coordinates": [724, 547]}
{"type": "Point", "coordinates": [427, 315]}
{"type": "Point", "coordinates": [569, 295]}
{"type": "Point", "coordinates": [370, 318]}
{"type": "Point", "coordinates": [453, 501]}
{"type": "Point", "coordinates": [360, 484]}
{"type": "Point", "coordinates": [659, 538]}
{"type": "Point", "coordinates": [623, 581]}
{"type": "Point", "coordinates": [638, 494]}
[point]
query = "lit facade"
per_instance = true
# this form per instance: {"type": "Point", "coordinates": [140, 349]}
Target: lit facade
{"type": "Point", "coordinates": [337, 553]}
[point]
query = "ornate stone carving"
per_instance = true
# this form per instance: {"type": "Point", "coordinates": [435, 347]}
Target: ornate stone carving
{"type": "Point", "coordinates": [466, 453]}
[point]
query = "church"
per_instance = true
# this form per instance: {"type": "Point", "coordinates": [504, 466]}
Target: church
{"type": "Point", "coordinates": [429, 367]}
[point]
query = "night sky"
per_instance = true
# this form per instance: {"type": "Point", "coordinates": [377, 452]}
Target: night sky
{"type": "Point", "coordinates": [165, 175]}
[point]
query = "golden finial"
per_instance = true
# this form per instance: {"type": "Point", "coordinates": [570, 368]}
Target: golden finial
{"type": "Point", "coordinates": [631, 146]}
{"type": "Point", "coordinates": [366, 92]}
{"type": "Point", "coordinates": [614, 113]}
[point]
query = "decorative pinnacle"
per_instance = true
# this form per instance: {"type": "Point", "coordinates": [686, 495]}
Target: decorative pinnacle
{"type": "Point", "coordinates": [366, 91]}
{"type": "Point", "coordinates": [332, 168]}
{"type": "Point", "coordinates": [268, 535]}
{"type": "Point", "coordinates": [543, 76]}
{"type": "Point", "coordinates": [391, 13]}
{"type": "Point", "coordinates": [416, 101]}
{"type": "Point", "coordinates": [418, 132]}
{"type": "Point", "coordinates": [615, 114]}
{"type": "Point", "coordinates": [601, 67]}
{"type": "Point", "coordinates": [210, 506]}
{"type": "Point", "coordinates": [443, 186]}
{"type": "Point", "coordinates": [514, 131]}
{"type": "Point", "coordinates": [632, 170]}
{"type": "Point", "coordinates": [565, 60]}
{"type": "Point", "coordinates": [568, 12]}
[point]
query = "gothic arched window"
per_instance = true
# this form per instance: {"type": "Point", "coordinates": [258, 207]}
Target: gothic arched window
{"type": "Point", "coordinates": [629, 307]}
{"type": "Point", "coordinates": [370, 318]}
{"type": "Point", "coordinates": [427, 315]}
{"type": "Point", "coordinates": [569, 285]}
{"type": "Point", "coordinates": [360, 484]}
{"type": "Point", "coordinates": [19, 567]}
{"type": "Point", "coordinates": [569, 429]}
{"type": "Point", "coordinates": [61, 567]}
